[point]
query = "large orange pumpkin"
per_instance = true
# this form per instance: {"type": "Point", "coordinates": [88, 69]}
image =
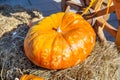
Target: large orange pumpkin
{"type": "Point", "coordinates": [59, 41]}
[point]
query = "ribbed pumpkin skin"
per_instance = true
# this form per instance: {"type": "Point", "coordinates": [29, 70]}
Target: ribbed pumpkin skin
{"type": "Point", "coordinates": [59, 41]}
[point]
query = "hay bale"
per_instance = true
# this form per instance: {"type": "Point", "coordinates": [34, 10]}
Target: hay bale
{"type": "Point", "coordinates": [102, 64]}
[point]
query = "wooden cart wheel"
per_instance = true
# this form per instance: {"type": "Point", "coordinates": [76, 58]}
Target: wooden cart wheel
{"type": "Point", "coordinates": [66, 4]}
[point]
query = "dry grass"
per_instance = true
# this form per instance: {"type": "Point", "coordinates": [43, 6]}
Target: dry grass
{"type": "Point", "coordinates": [102, 64]}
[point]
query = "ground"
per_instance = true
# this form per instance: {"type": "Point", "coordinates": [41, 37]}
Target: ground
{"type": "Point", "coordinates": [101, 64]}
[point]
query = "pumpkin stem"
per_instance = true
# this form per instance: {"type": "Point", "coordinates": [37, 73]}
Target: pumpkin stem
{"type": "Point", "coordinates": [58, 29]}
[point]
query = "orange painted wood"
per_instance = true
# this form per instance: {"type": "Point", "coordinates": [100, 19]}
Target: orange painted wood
{"type": "Point", "coordinates": [117, 8]}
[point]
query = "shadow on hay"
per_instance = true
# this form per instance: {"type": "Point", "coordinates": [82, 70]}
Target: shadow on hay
{"type": "Point", "coordinates": [12, 57]}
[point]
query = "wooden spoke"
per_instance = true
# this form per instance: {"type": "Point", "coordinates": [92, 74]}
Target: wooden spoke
{"type": "Point", "coordinates": [64, 5]}
{"type": "Point", "coordinates": [74, 5]}
{"type": "Point", "coordinates": [99, 13]}
{"type": "Point", "coordinates": [117, 8]}
{"type": "Point", "coordinates": [100, 33]}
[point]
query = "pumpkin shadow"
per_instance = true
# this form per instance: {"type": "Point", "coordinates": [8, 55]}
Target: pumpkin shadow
{"type": "Point", "coordinates": [12, 53]}
{"type": "Point", "coordinates": [13, 61]}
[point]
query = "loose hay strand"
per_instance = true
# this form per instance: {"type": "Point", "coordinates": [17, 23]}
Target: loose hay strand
{"type": "Point", "coordinates": [3, 65]}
